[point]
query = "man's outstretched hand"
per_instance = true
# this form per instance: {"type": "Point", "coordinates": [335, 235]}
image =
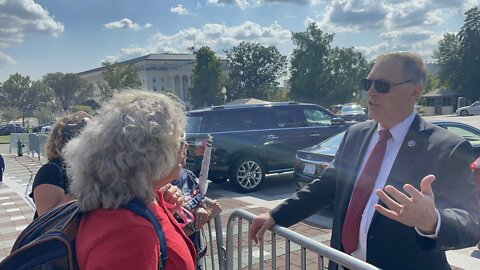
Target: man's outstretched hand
{"type": "Point", "coordinates": [416, 208]}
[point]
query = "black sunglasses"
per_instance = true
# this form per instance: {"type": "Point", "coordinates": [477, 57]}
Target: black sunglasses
{"type": "Point", "coordinates": [381, 86]}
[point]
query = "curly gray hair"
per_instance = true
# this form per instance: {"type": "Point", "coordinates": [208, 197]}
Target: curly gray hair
{"type": "Point", "coordinates": [124, 150]}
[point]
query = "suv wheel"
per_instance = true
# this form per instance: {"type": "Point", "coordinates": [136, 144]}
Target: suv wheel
{"type": "Point", "coordinates": [464, 113]}
{"type": "Point", "coordinates": [247, 174]}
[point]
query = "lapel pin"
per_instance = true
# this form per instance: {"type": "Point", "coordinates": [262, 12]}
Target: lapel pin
{"type": "Point", "coordinates": [411, 143]}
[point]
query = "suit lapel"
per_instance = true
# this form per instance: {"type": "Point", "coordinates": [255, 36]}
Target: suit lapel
{"type": "Point", "coordinates": [408, 154]}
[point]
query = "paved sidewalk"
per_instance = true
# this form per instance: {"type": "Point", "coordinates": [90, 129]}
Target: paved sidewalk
{"type": "Point", "coordinates": [16, 213]}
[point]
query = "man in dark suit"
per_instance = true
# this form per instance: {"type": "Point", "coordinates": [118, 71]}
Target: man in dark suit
{"type": "Point", "coordinates": [402, 187]}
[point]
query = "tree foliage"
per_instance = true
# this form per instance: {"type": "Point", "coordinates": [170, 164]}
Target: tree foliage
{"type": "Point", "coordinates": [69, 89]}
{"type": "Point", "coordinates": [254, 71]}
{"type": "Point", "coordinates": [322, 74]}
{"type": "Point", "coordinates": [469, 37]}
{"type": "Point", "coordinates": [25, 95]}
{"type": "Point", "coordinates": [448, 59]}
{"type": "Point", "coordinates": [458, 57]}
{"type": "Point", "coordinates": [10, 113]}
{"type": "Point", "coordinates": [118, 77]}
{"type": "Point", "coordinates": [207, 79]}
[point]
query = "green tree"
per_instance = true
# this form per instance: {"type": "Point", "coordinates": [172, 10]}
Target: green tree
{"type": "Point", "coordinates": [448, 58]}
{"type": "Point", "coordinates": [321, 74]}
{"type": "Point", "coordinates": [69, 89]}
{"type": "Point", "coordinates": [433, 82]}
{"type": "Point", "coordinates": [24, 94]}
{"type": "Point", "coordinates": [255, 70]}
{"type": "Point", "coordinates": [10, 113]}
{"type": "Point", "coordinates": [45, 114]}
{"type": "Point", "coordinates": [207, 79]}
{"type": "Point", "coordinates": [117, 77]}
{"type": "Point", "coordinates": [458, 57]}
{"type": "Point", "coordinates": [469, 37]}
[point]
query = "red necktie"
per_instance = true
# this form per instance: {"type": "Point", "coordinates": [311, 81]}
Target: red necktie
{"type": "Point", "coordinates": [361, 193]}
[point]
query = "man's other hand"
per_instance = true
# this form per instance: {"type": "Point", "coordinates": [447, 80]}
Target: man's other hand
{"type": "Point", "coordinates": [260, 225]}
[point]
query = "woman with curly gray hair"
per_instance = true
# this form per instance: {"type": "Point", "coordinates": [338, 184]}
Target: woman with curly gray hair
{"type": "Point", "coordinates": [131, 149]}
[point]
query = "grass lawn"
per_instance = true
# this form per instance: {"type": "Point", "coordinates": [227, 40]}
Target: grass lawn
{"type": "Point", "coordinates": [5, 139]}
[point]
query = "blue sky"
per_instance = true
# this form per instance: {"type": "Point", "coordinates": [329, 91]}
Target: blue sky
{"type": "Point", "coordinates": [42, 36]}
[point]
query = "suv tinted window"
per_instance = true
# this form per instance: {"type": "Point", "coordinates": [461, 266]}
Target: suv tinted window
{"type": "Point", "coordinates": [232, 120]}
{"type": "Point", "coordinates": [317, 118]}
{"type": "Point", "coordinates": [288, 118]}
{"type": "Point", "coordinates": [193, 123]}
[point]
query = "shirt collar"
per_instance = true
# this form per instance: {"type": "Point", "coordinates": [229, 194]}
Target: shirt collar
{"type": "Point", "coordinates": [400, 130]}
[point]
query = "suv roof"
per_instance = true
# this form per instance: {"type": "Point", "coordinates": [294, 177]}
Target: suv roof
{"type": "Point", "coordinates": [241, 106]}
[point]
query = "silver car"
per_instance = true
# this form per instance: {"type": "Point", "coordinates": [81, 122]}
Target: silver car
{"type": "Point", "coordinates": [472, 109]}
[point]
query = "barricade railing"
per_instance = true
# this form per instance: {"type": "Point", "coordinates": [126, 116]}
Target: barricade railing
{"type": "Point", "coordinates": [298, 251]}
{"type": "Point", "coordinates": [13, 142]}
{"type": "Point", "coordinates": [34, 143]}
{"type": "Point", "coordinates": [28, 189]}
{"type": "Point", "coordinates": [37, 144]}
{"type": "Point", "coordinates": [214, 240]}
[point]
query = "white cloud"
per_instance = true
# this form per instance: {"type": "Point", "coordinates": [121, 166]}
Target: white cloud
{"type": "Point", "coordinates": [243, 4]}
{"type": "Point", "coordinates": [125, 23]}
{"type": "Point", "coordinates": [410, 39]}
{"type": "Point", "coordinates": [5, 58]}
{"type": "Point", "coordinates": [19, 17]}
{"type": "Point", "coordinates": [179, 10]}
{"type": "Point", "coordinates": [218, 37]}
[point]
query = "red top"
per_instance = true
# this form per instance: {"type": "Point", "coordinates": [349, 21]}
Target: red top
{"type": "Point", "coordinates": [120, 239]}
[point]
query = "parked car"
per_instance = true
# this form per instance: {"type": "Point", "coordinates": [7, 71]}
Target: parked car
{"type": "Point", "coordinates": [40, 127]}
{"type": "Point", "coordinates": [352, 112]}
{"type": "Point", "coordinates": [312, 161]}
{"type": "Point", "coordinates": [472, 109]}
{"type": "Point", "coordinates": [252, 140]}
{"type": "Point", "coordinates": [10, 128]}
{"type": "Point", "coordinates": [45, 129]}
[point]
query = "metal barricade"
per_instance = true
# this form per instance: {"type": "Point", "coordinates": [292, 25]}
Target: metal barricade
{"type": "Point", "coordinates": [13, 142]}
{"type": "Point", "coordinates": [214, 241]}
{"type": "Point", "coordinates": [294, 250]}
{"type": "Point", "coordinates": [37, 144]}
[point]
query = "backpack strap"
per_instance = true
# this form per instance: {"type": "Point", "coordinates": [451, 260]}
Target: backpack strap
{"type": "Point", "coordinates": [139, 208]}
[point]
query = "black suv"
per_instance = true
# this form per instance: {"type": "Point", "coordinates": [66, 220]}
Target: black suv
{"type": "Point", "coordinates": [251, 140]}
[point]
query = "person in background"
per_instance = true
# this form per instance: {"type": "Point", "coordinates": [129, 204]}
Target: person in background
{"type": "Point", "coordinates": [203, 212]}
{"type": "Point", "coordinates": [402, 187]}
{"type": "Point", "coordinates": [2, 168]}
{"type": "Point", "coordinates": [131, 149]}
{"type": "Point", "coordinates": [50, 187]}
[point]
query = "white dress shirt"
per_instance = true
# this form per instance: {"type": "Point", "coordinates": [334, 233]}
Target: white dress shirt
{"type": "Point", "coordinates": [393, 147]}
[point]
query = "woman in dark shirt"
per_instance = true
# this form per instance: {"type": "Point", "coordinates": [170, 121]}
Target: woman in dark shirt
{"type": "Point", "coordinates": [50, 187]}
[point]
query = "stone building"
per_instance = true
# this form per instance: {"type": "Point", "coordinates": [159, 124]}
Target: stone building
{"type": "Point", "coordinates": [157, 72]}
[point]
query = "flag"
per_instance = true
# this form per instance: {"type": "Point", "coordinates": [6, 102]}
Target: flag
{"type": "Point", "coordinates": [191, 48]}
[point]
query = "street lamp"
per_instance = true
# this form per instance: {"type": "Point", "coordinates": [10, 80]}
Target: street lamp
{"type": "Point", "coordinates": [224, 92]}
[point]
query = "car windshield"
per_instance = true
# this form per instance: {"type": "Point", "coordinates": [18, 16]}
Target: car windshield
{"type": "Point", "coordinates": [348, 108]}
{"type": "Point", "coordinates": [476, 103]}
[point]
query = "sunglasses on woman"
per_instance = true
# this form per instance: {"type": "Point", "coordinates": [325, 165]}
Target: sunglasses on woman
{"type": "Point", "coordinates": [381, 86]}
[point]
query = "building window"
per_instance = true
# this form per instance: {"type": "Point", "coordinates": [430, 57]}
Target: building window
{"type": "Point", "coordinates": [447, 101]}
{"type": "Point", "coordinates": [155, 89]}
{"type": "Point", "coordinates": [154, 80]}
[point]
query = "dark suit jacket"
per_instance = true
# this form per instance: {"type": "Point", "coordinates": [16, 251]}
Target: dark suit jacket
{"type": "Point", "coordinates": [390, 244]}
